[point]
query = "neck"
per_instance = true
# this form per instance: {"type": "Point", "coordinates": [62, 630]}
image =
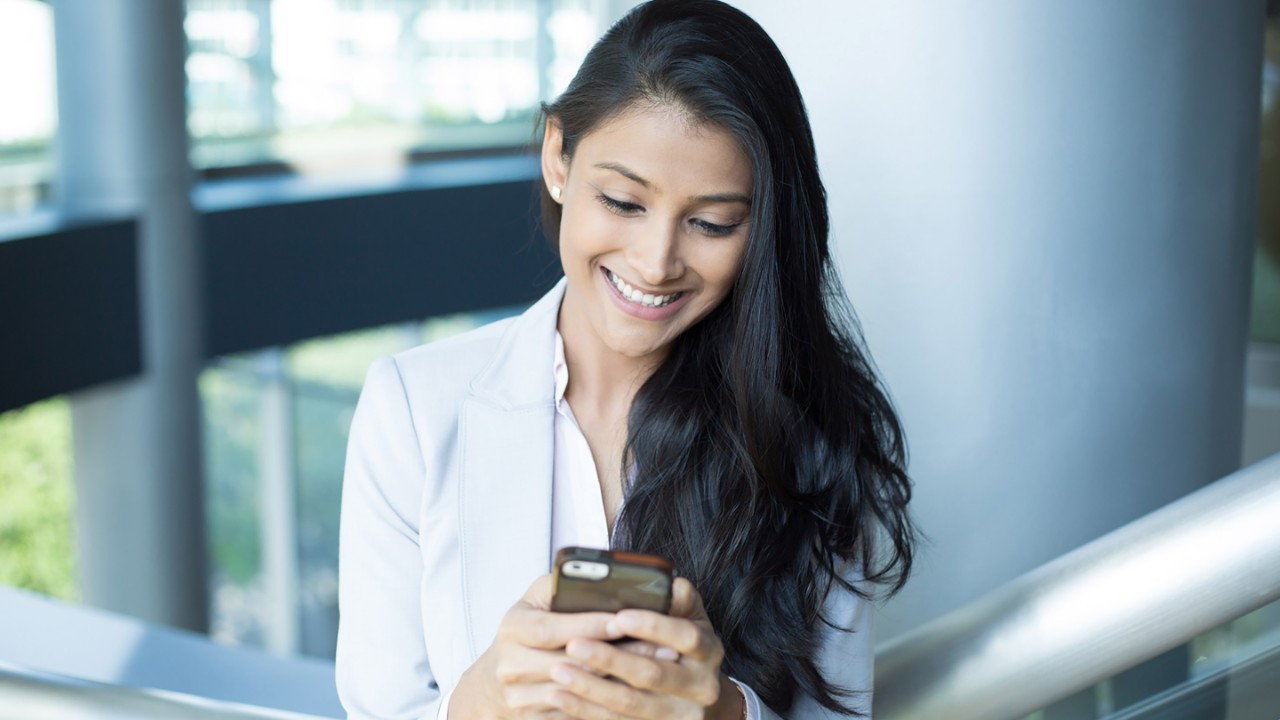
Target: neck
{"type": "Point", "coordinates": [602, 382]}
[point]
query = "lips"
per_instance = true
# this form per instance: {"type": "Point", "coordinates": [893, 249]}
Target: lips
{"type": "Point", "coordinates": [639, 297]}
{"type": "Point", "coordinates": [639, 304]}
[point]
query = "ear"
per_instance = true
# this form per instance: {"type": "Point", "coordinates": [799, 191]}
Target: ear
{"type": "Point", "coordinates": [555, 168]}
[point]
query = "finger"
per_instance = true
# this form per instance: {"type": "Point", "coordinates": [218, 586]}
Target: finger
{"type": "Point", "coordinates": [535, 700]}
{"type": "Point", "coordinates": [580, 708]}
{"type": "Point", "coordinates": [637, 647]}
{"type": "Point", "coordinates": [682, 635]}
{"type": "Point", "coordinates": [648, 649]}
{"type": "Point", "coordinates": [608, 699]}
{"type": "Point", "coordinates": [551, 630]}
{"type": "Point", "coordinates": [694, 682]}
{"type": "Point", "coordinates": [524, 665]}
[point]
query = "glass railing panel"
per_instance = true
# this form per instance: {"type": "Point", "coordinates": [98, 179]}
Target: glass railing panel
{"type": "Point", "coordinates": [1229, 673]}
{"type": "Point", "coordinates": [322, 415]}
{"type": "Point", "coordinates": [231, 397]}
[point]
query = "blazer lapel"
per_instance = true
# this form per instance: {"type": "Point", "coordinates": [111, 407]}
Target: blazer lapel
{"type": "Point", "coordinates": [506, 438]}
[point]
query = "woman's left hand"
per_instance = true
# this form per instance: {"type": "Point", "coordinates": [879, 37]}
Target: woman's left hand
{"type": "Point", "coordinates": [681, 680]}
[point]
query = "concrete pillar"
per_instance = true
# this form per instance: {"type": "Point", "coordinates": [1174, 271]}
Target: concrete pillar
{"type": "Point", "coordinates": [122, 149]}
{"type": "Point", "coordinates": [1044, 214]}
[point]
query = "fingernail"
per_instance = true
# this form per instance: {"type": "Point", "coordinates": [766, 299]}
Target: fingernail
{"type": "Point", "coordinates": [666, 653]}
{"type": "Point", "coordinates": [582, 651]}
{"type": "Point", "coordinates": [612, 628]}
{"type": "Point", "coordinates": [561, 674]}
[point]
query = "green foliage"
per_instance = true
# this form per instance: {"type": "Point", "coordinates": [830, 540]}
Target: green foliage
{"type": "Point", "coordinates": [232, 497]}
{"type": "Point", "coordinates": [37, 548]}
{"type": "Point", "coordinates": [342, 360]}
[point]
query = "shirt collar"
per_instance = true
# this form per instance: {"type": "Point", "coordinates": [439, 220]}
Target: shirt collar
{"type": "Point", "coordinates": [561, 369]}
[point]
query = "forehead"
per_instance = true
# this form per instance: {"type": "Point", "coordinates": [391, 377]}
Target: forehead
{"type": "Point", "coordinates": [673, 152]}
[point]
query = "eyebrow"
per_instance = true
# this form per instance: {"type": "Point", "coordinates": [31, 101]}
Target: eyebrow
{"type": "Point", "coordinates": [630, 174]}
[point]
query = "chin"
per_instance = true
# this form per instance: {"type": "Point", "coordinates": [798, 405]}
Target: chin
{"type": "Point", "coordinates": [637, 348]}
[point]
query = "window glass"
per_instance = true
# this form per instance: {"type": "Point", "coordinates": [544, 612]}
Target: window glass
{"type": "Point", "coordinates": [29, 113]}
{"type": "Point", "coordinates": [335, 84]}
{"type": "Point", "coordinates": [229, 404]}
{"type": "Point", "coordinates": [1266, 266]}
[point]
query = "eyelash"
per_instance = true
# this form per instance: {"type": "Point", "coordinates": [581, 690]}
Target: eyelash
{"type": "Point", "coordinates": [627, 209]}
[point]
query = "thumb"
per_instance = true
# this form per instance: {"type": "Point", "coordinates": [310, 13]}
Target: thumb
{"type": "Point", "coordinates": [685, 601]}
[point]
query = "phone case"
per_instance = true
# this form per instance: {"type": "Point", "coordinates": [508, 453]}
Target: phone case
{"type": "Point", "coordinates": [587, 580]}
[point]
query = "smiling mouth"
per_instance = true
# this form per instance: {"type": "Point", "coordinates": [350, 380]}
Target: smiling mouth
{"type": "Point", "coordinates": [638, 297]}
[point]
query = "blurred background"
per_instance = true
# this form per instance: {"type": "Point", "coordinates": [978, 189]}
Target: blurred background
{"type": "Point", "coordinates": [321, 91]}
{"type": "Point", "coordinates": [1060, 227]}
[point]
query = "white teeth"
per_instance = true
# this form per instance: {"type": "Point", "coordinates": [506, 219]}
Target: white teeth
{"type": "Point", "coordinates": [637, 297]}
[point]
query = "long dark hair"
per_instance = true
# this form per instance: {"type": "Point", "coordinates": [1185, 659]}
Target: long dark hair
{"type": "Point", "coordinates": [769, 464]}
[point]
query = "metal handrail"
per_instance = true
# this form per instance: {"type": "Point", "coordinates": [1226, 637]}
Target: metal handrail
{"type": "Point", "coordinates": [1154, 584]}
{"type": "Point", "coordinates": [30, 694]}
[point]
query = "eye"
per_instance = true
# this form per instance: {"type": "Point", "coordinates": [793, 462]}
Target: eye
{"type": "Point", "coordinates": [713, 229]}
{"type": "Point", "coordinates": [618, 206]}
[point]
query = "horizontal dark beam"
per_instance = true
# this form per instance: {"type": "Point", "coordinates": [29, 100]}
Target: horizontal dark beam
{"type": "Point", "coordinates": [281, 273]}
{"type": "Point", "coordinates": [68, 311]}
{"type": "Point", "coordinates": [282, 263]}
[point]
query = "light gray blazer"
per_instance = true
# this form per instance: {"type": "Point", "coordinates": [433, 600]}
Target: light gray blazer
{"type": "Point", "coordinates": [446, 517]}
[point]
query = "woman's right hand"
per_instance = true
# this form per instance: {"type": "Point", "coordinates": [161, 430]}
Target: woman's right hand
{"type": "Point", "coordinates": [512, 679]}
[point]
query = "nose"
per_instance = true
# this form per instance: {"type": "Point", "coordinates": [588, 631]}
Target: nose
{"type": "Point", "coordinates": [655, 255]}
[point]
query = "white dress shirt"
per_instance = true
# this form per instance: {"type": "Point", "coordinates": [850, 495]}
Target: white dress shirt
{"type": "Point", "coordinates": [577, 508]}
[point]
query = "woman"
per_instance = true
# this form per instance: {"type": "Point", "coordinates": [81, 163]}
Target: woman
{"type": "Point", "coordinates": [691, 388]}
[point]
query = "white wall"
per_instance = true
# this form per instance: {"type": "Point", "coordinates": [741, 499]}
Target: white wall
{"type": "Point", "coordinates": [1043, 214]}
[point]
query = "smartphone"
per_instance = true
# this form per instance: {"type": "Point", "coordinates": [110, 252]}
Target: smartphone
{"type": "Point", "coordinates": [587, 580]}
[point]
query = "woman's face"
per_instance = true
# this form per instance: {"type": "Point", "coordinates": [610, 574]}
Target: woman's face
{"type": "Point", "coordinates": [654, 225]}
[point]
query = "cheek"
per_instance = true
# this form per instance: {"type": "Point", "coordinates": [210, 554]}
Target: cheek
{"type": "Point", "coordinates": [583, 234]}
{"type": "Point", "coordinates": [722, 268]}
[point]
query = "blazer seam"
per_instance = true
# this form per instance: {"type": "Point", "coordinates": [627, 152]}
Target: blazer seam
{"type": "Point", "coordinates": [463, 426]}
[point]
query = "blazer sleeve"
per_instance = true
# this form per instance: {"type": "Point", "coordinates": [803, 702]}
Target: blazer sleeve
{"type": "Point", "coordinates": [381, 665]}
{"type": "Point", "coordinates": [847, 658]}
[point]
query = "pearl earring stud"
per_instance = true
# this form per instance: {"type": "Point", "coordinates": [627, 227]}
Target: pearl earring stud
{"type": "Point", "coordinates": [555, 193]}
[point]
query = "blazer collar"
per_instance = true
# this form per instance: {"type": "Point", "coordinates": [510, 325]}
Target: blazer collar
{"type": "Point", "coordinates": [520, 372]}
{"type": "Point", "coordinates": [506, 439]}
